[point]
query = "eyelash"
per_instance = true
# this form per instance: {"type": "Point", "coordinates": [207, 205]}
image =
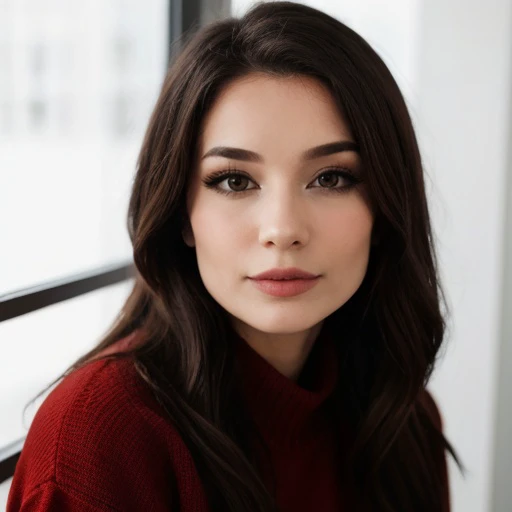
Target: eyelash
{"type": "Point", "coordinates": [212, 181]}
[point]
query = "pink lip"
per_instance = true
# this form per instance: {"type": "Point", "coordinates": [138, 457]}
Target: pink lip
{"type": "Point", "coordinates": [284, 273]}
{"type": "Point", "coordinates": [284, 282]}
{"type": "Point", "coordinates": [284, 287]}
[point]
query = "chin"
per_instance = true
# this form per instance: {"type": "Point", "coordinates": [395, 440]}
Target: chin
{"type": "Point", "coordinates": [280, 324]}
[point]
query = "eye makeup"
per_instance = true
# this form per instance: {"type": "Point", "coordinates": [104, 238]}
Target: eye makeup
{"type": "Point", "coordinates": [234, 176]}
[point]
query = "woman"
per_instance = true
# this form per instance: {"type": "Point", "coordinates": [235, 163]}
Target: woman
{"type": "Point", "coordinates": [285, 320]}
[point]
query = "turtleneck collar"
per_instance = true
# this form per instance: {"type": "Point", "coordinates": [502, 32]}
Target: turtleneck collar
{"type": "Point", "coordinates": [288, 412]}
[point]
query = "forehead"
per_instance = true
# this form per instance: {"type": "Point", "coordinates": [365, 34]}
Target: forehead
{"type": "Point", "coordinates": [259, 111]}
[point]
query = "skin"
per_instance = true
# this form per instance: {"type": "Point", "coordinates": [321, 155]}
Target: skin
{"type": "Point", "coordinates": [286, 217]}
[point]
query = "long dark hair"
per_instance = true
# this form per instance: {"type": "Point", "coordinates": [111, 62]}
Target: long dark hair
{"type": "Point", "coordinates": [390, 330]}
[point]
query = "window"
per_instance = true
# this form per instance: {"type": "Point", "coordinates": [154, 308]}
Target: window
{"type": "Point", "coordinates": [79, 81]}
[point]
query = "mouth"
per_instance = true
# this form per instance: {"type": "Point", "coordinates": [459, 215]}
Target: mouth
{"type": "Point", "coordinates": [285, 287]}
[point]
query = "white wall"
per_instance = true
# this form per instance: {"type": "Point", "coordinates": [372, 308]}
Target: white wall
{"type": "Point", "coordinates": [463, 91]}
{"type": "Point", "coordinates": [452, 60]}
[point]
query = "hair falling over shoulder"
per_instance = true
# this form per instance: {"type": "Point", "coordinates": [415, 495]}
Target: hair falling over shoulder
{"type": "Point", "coordinates": [392, 327]}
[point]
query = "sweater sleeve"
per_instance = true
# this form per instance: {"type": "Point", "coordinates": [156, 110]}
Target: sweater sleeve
{"type": "Point", "coordinates": [49, 496]}
{"type": "Point", "coordinates": [94, 446]}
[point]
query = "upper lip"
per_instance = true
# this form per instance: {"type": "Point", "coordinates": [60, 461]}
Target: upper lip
{"type": "Point", "coordinates": [284, 273]}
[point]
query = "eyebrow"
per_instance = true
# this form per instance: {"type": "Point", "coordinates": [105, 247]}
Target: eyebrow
{"type": "Point", "coordinates": [309, 154]}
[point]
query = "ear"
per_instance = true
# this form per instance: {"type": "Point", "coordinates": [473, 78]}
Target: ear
{"type": "Point", "coordinates": [188, 235]}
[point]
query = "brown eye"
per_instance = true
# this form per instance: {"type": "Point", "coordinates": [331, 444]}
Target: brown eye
{"type": "Point", "coordinates": [329, 179]}
{"type": "Point", "coordinates": [236, 183]}
{"type": "Point", "coordinates": [228, 182]}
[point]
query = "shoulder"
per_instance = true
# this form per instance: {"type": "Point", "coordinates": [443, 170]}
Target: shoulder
{"type": "Point", "coordinates": [100, 432]}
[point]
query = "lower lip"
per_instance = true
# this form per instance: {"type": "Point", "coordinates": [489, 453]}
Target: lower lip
{"type": "Point", "coordinates": [284, 288]}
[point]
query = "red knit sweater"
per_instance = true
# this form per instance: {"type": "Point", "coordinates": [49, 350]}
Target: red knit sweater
{"type": "Point", "coordinates": [100, 442]}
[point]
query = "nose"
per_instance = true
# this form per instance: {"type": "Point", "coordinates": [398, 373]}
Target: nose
{"type": "Point", "coordinates": [283, 222]}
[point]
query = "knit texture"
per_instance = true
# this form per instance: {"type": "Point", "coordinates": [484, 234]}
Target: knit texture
{"type": "Point", "coordinates": [100, 441]}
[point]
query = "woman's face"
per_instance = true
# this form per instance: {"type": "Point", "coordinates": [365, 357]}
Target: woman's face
{"type": "Point", "coordinates": [285, 210]}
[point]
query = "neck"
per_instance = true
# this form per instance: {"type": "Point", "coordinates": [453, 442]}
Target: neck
{"type": "Point", "coordinates": [286, 352]}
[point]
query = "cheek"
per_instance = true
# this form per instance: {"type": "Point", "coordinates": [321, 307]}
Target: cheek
{"type": "Point", "coordinates": [354, 229]}
{"type": "Point", "coordinates": [219, 236]}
